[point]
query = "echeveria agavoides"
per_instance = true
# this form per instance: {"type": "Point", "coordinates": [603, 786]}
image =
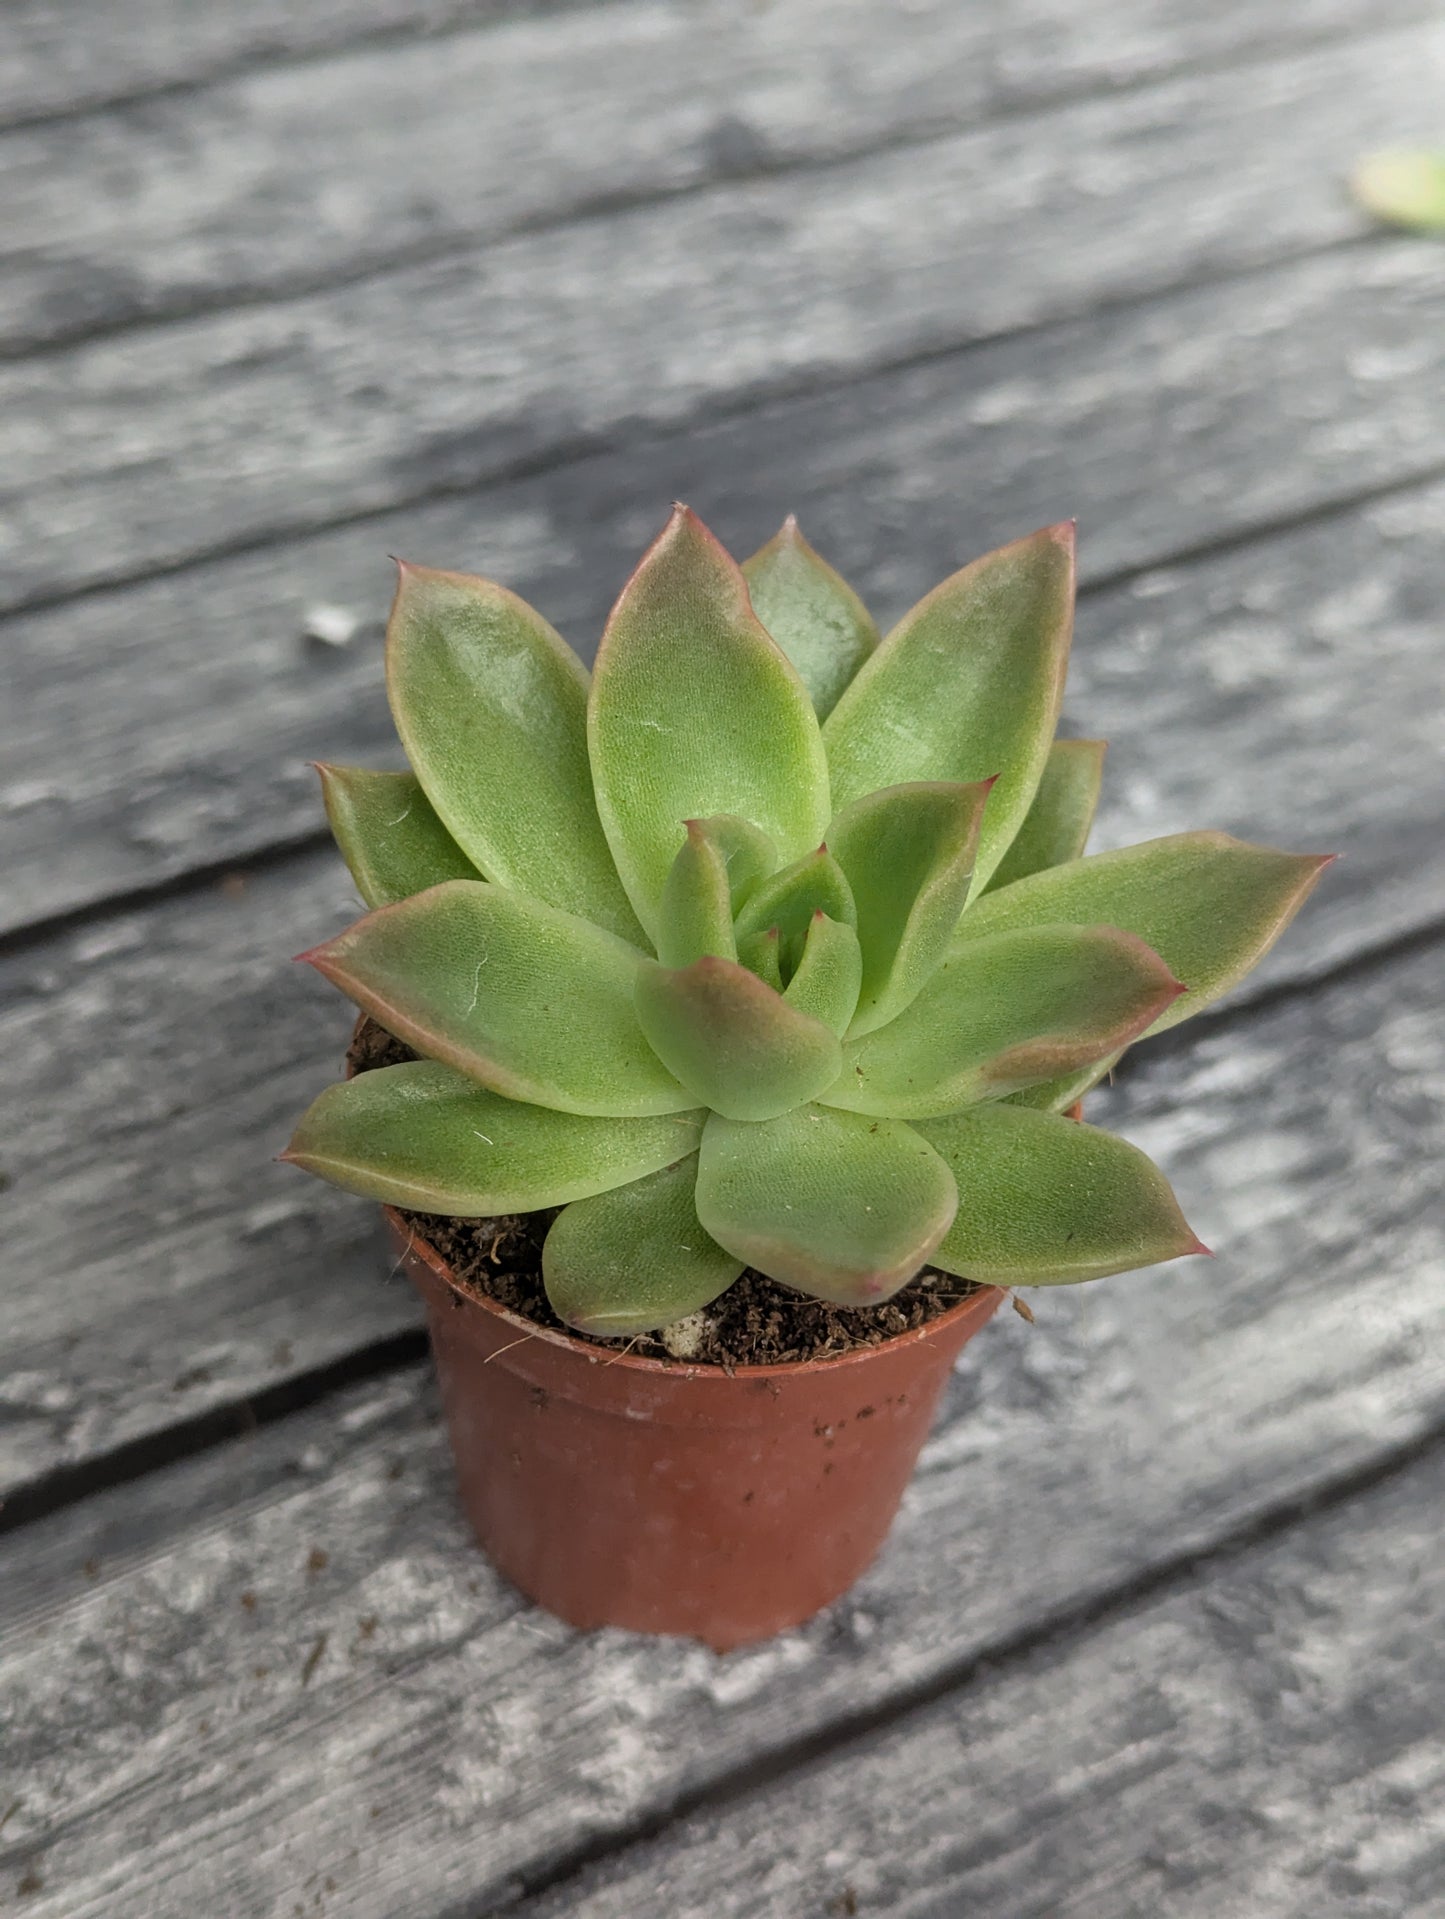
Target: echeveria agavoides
{"type": "Point", "coordinates": [768, 944]}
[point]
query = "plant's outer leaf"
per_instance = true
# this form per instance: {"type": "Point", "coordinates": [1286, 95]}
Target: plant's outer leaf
{"type": "Point", "coordinates": [1057, 826]}
{"type": "Point", "coordinates": [1058, 1095]}
{"type": "Point", "coordinates": [966, 686]}
{"type": "Point", "coordinates": [1006, 1012]}
{"type": "Point", "coordinates": [1406, 188]}
{"type": "Point", "coordinates": [534, 1003]}
{"type": "Point", "coordinates": [1210, 906]}
{"type": "Point", "coordinates": [759, 953]}
{"type": "Point", "coordinates": [491, 706]}
{"type": "Point", "coordinates": [790, 898]}
{"type": "Point", "coordinates": [695, 710]}
{"type": "Point", "coordinates": [695, 913]}
{"type": "Point", "coordinates": [907, 852]}
{"type": "Point", "coordinates": [425, 1136]}
{"type": "Point", "coordinates": [1045, 1201]}
{"type": "Point", "coordinates": [828, 975]}
{"type": "Point", "coordinates": [812, 613]}
{"type": "Point", "coordinates": [636, 1258]}
{"type": "Point", "coordinates": [732, 1041]}
{"type": "Point", "coordinates": [845, 1208]}
{"type": "Point", "coordinates": [389, 834]}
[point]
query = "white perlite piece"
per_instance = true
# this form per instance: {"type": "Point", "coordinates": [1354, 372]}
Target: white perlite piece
{"type": "Point", "coordinates": [684, 1337]}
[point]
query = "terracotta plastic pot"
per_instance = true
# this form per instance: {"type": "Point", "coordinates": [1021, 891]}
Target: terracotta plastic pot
{"type": "Point", "coordinates": [619, 1491]}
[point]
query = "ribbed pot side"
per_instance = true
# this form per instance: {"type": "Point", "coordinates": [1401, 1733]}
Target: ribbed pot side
{"type": "Point", "coordinates": [669, 1498]}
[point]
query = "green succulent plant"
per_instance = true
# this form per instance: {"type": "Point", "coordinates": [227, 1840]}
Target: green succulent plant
{"type": "Point", "coordinates": [771, 944]}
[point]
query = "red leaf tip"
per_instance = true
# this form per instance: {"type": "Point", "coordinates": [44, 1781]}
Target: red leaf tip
{"type": "Point", "coordinates": [1205, 1252]}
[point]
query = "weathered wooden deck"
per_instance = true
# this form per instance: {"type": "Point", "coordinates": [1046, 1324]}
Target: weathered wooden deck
{"type": "Point", "coordinates": [291, 286]}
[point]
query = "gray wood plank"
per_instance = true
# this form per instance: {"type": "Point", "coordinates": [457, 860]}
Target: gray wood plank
{"type": "Point", "coordinates": [265, 185]}
{"type": "Point", "coordinates": [384, 1715]}
{"type": "Point", "coordinates": [65, 55]}
{"type": "Point", "coordinates": [1173, 426]}
{"type": "Point", "coordinates": [1265, 1740]}
{"type": "Point", "coordinates": [148, 450]}
{"type": "Point", "coordinates": [1285, 691]}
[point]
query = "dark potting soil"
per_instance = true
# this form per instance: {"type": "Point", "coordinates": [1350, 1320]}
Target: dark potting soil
{"type": "Point", "coordinates": [756, 1322]}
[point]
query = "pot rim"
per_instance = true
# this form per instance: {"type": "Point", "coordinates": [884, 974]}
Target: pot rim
{"type": "Point", "coordinates": [680, 1368]}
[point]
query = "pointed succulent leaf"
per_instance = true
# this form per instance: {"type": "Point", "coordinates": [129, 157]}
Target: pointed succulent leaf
{"type": "Point", "coordinates": [967, 685]}
{"type": "Point", "coordinates": [841, 1207]}
{"type": "Point", "coordinates": [748, 853]}
{"type": "Point", "coordinates": [732, 1041]}
{"type": "Point", "coordinates": [716, 871]}
{"type": "Point", "coordinates": [1209, 905]}
{"type": "Point", "coordinates": [695, 912]}
{"type": "Point", "coordinates": [635, 1258]}
{"type": "Point", "coordinates": [1058, 1095]}
{"type": "Point", "coordinates": [1005, 1012]}
{"type": "Point", "coordinates": [491, 706]}
{"type": "Point", "coordinates": [389, 833]}
{"type": "Point", "coordinates": [828, 975]}
{"type": "Point", "coordinates": [425, 1136]}
{"type": "Point", "coordinates": [790, 898]}
{"type": "Point", "coordinates": [759, 953]}
{"type": "Point", "coordinates": [1045, 1201]}
{"type": "Point", "coordinates": [812, 613]}
{"type": "Point", "coordinates": [908, 853]}
{"type": "Point", "coordinates": [1057, 824]}
{"type": "Point", "coordinates": [695, 710]}
{"type": "Point", "coordinates": [534, 1003]}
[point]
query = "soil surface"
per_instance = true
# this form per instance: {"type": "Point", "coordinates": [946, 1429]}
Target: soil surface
{"type": "Point", "coordinates": [756, 1322]}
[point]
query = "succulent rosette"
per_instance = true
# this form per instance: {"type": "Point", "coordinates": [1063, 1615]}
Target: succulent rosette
{"type": "Point", "coordinates": [771, 943]}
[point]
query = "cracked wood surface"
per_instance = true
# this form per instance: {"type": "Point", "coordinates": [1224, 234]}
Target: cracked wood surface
{"type": "Point", "coordinates": [383, 1712]}
{"type": "Point", "coordinates": [1167, 428]}
{"type": "Point", "coordinates": [1262, 1740]}
{"type": "Point", "coordinates": [147, 451]}
{"type": "Point", "coordinates": [928, 276]}
{"type": "Point", "coordinates": [158, 1059]}
{"type": "Point", "coordinates": [246, 191]}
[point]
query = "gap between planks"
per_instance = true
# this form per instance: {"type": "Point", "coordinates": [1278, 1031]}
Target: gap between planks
{"type": "Point", "coordinates": [160, 260]}
{"type": "Point", "coordinates": [338, 422]}
{"type": "Point", "coordinates": [1133, 59]}
{"type": "Point", "coordinates": [37, 1499]}
{"type": "Point", "coordinates": [246, 861]}
{"type": "Point", "coordinates": [1071, 1460]}
{"type": "Point", "coordinates": [684, 1866]}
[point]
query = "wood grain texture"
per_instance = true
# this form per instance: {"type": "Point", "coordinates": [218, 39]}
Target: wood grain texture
{"type": "Point", "coordinates": [260, 187]}
{"type": "Point", "coordinates": [384, 1724]}
{"type": "Point", "coordinates": [140, 1160]}
{"type": "Point", "coordinates": [188, 706]}
{"type": "Point", "coordinates": [1264, 1740]}
{"type": "Point", "coordinates": [146, 451]}
{"type": "Point", "coordinates": [63, 56]}
{"type": "Point", "coordinates": [157, 1059]}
